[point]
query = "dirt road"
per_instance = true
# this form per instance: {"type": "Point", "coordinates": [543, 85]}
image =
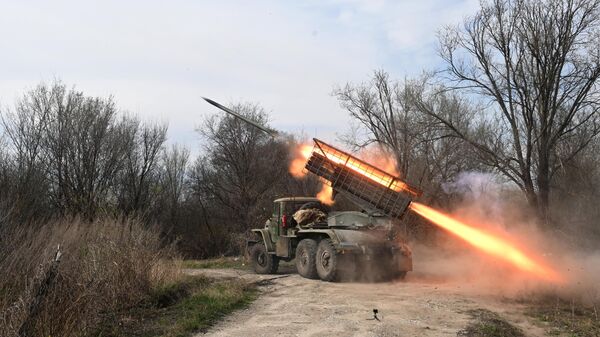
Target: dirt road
{"type": "Point", "coordinates": [293, 306]}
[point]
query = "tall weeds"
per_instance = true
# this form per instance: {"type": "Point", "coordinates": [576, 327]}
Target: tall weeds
{"type": "Point", "coordinates": [105, 266]}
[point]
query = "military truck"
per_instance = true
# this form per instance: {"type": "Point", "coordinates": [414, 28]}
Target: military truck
{"type": "Point", "coordinates": [338, 243]}
{"type": "Point", "coordinates": [343, 244]}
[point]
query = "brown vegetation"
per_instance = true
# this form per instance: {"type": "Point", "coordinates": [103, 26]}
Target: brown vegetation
{"type": "Point", "coordinates": [105, 266]}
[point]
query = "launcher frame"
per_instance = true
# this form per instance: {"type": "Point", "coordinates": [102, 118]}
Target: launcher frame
{"type": "Point", "coordinates": [366, 185]}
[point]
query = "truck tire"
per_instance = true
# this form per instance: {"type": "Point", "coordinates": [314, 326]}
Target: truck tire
{"type": "Point", "coordinates": [306, 258]}
{"type": "Point", "coordinates": [400, 275]}
{"type": "Point", "coordinates": [262, 261]}
{"type": "Point", "coordinates": [327, 261]}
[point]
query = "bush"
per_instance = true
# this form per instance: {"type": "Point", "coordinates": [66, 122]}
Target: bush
{"type": "Point", "coordinates": [106, 265]}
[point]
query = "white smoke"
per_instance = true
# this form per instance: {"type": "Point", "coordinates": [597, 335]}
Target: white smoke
{"type": "Point", "coordinates": [479, 193]}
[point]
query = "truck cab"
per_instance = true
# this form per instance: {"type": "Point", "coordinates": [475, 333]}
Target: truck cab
{"type": "Point", "coordinates": [282, 222]}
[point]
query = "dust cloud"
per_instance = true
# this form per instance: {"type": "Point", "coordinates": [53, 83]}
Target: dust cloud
{"type": "Point", "coordinates": [499, 209]}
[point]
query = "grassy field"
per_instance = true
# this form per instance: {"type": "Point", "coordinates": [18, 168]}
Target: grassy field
{"type": "Point", "coordinates": [180, 309]}
{"type": "Point", "coordinates": [557, 317]}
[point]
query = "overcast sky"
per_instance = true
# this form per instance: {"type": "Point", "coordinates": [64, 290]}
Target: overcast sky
{"type": "Point", "coordinates": [157, 58]}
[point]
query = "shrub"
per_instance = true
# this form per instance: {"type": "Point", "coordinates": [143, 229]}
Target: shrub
{"type": "Point", "coordinates": [105, 266]}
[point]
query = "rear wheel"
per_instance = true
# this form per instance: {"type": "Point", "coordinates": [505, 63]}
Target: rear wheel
{"type": "Point", "coordinates": [327, 261]}
{"type": "Point", "coordinates": [400, 275]}
{"type": "Point", "coordinates": [394, 271]}
{"type": "Point", "coordinates": [262, 261]}
{"type": "Point", "coordinates": [305, 258]}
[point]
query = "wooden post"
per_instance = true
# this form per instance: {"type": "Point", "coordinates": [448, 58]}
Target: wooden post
{"type": "Point", "coordinates": [27, 328]}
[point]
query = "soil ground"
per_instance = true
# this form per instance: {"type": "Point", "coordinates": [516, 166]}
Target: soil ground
{"type": "Point", "coordinates": [294, 306]}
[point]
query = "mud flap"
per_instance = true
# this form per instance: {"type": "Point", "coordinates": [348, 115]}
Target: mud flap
{"type": "Point", "coordinates": [403, 263]}
{"type": "Point", "coordinates": [283, 247]}
{"type": "Point", "coordinates": [249, 244]}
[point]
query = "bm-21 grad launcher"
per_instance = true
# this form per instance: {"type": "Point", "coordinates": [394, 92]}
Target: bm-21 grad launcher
{"type": "Point", "coordinates": [343, 242]}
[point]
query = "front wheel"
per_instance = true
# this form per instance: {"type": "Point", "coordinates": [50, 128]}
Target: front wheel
{"type": "Point", "coordinates": [327, 261]}
{"type": "Point", "coordinates": [262, 261]}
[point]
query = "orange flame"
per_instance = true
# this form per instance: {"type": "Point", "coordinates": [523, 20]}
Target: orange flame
{"type": "Point", "coordinates": [301, 155]}
{"type": "Point", "coordinates": [375, 174]}
{"type": "Point", "coordinates": [488, 243]}
{"type": "Point", "coordinates": [303, 151]}
{"type": "Point", "coordinates": [325, 195]}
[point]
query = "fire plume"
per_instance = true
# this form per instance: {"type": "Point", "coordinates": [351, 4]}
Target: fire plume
{"type": "Point", "coordinates": [492, 245]}
{"type": "Point", "coordinates": [373, 173]}
{"type": "Point", "coordinates": [325, 195]}
{"type": "Point", "coordinates": [302, 152]}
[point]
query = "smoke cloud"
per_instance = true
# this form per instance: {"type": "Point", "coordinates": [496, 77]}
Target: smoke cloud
{"type": "Point", "coordinates": [485, 201]}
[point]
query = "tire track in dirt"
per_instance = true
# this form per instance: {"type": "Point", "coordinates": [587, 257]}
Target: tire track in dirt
{"type": "Point", "coordinates": [295, 306]}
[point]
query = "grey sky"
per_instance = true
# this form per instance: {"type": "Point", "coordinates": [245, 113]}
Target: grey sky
{"type": "Point", "coordinates": [157, 58]}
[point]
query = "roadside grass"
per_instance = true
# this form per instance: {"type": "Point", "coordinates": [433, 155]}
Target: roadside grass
{"type": "Point", "coordinates": [181, 309]}
{"type": "Point", "coordinates": [567, 317]}
{"type": "Point", "coordinates": [217, 263]}
{"type": "Point", "coordinates": [489, 324]}
{"type": "Point", "coordinates": [229, 262]}
{"type": "Point", "coordinates": [61, 277]}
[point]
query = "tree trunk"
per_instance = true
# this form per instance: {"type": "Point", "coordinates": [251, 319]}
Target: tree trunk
{"type": "Point", "coordinates": [543, 184]}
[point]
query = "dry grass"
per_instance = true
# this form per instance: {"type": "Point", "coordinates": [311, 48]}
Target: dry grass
{"type": "Point", "coordinates": [489, 324]}
{"type": "Point", "coordinates": [107, 265]}
{"type": "Point", "coordinates": [569, 317]}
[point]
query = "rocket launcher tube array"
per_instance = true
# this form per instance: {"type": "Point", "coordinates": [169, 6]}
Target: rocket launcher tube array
{"type": "Point", "coordinates": [346, 173]}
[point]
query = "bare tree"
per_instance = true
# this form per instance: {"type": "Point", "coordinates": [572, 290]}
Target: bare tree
{"type": "Point", "coordinates": [141, 165]}
{"type": "Point", "coordinates": [67, 148]}
{"type": "Point", "coordinates": [382, 107]}
{"type": "Point", "coordinates": [575, 203]}
{"type": "Point", "coordinates": [536, 65]}
{"type": "Point", "coordinates": [89, 153]}
{"type": "Point", "coordinates": [242, 168]}
{"type": "Point", "coordinates": [6, 184]}
{"type": "Point", "coordinates": [424, 151]}
{"type": "Point", "coordinates": [25, 130]}
{"type": "Point", "coordinates": [172, 179]}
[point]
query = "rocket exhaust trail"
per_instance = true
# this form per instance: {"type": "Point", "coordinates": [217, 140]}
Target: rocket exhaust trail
{"type": "Point", "coordinates": [488, 243]}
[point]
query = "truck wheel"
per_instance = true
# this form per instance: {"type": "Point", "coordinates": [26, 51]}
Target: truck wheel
{"type": "Point", "coordinates": [263, 262]}
{"type": "Point", "coordinates": [400, 275]}
{"type": "Point", "coordinates": [327, 261]}
{"type": "Point", "coordinates": [305, 258]}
